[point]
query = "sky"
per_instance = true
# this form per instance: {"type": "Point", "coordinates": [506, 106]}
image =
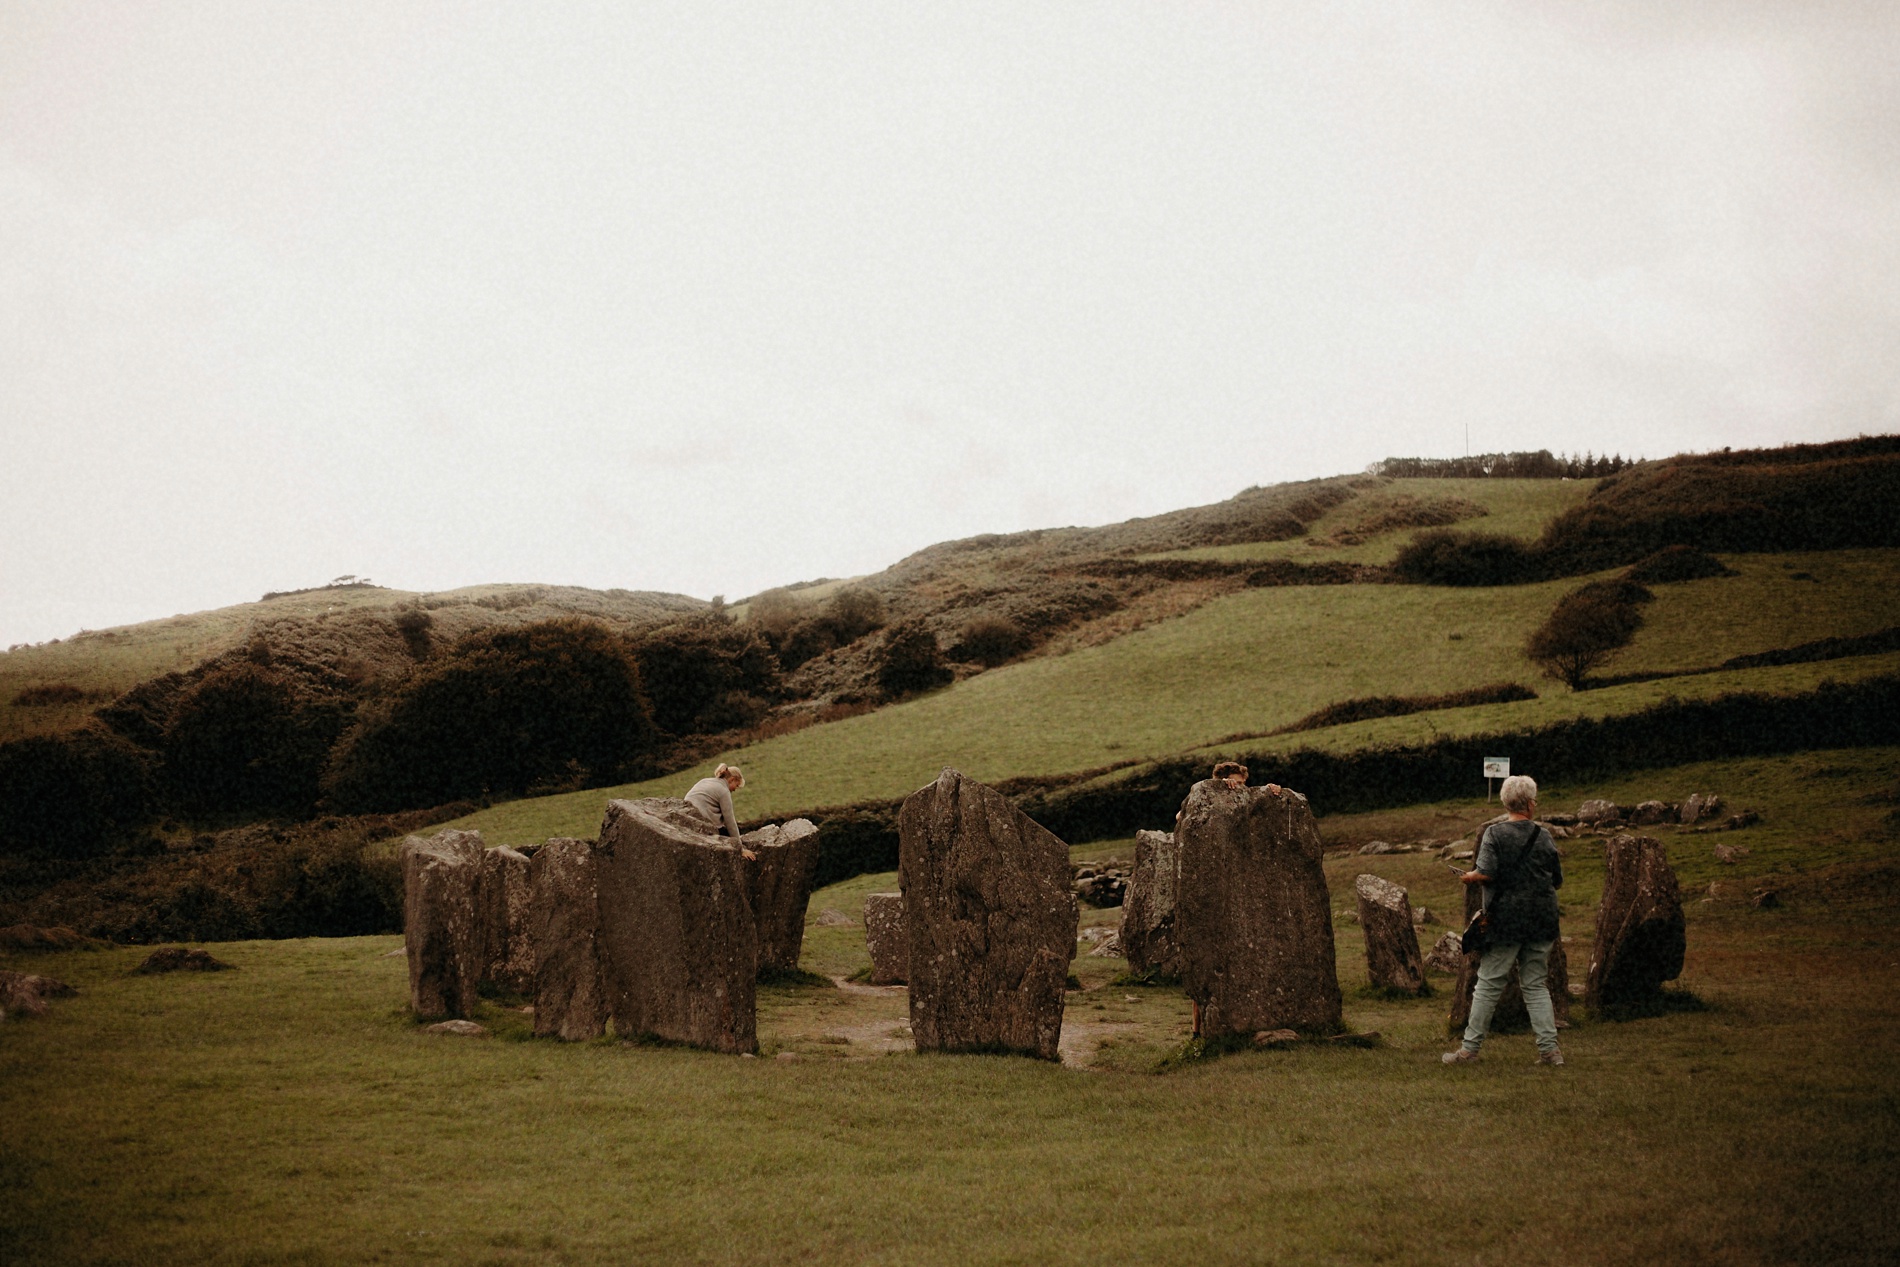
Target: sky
{"type": "Point", "coordinates": [707, 297]}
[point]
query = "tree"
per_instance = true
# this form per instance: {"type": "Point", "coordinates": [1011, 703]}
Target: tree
{"type": "Point", "coordinates": [1585, 629]}
{"type": "Point", "coordinates": [910, 660]}
{"type": "Point", "coordinates": [251, 739]}
{"type": "Point", "coordinates": [503, 711]}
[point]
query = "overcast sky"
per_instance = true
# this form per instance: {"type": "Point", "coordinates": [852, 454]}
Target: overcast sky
{"type": "Point", "coordinates": [708, 298]}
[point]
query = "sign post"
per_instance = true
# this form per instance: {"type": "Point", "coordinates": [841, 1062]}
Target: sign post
{"type": "Point", "coordinates": [1495, 768]}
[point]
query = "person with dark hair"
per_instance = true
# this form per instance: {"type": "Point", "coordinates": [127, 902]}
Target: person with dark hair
{"type": "Point", "coordinates": [1520, 863]}
{"type": "Point", "coordinates": [712, 798]}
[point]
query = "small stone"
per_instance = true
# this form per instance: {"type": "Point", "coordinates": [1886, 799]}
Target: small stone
{"type": "Point", "coordinates": [1590, 813]}
{"type": "Point", "coordinates": [1648, 814]}
{"type": "Point", "coordinates": [1766, 899]}
{"type": "Point", "coordinates": [1422, 915]}
{"type": "Point", "coordinates": [1462, 855]}
{"type": "Point", "coordinates": [26, 993]}
{"type": "Point", "coordinates": [1147, 926]}
{"type": "Point", "coordinates": [784, 1055]}
{"type": "Point", "coordinates": [1447, 954]}
{"type": "Point", "coordinates": [1747, 818]}
{"type": "Point", "coordinates": [1276, 1038]}
{"type": "Point", "coordinates": [886, 938]}
{"type": "Point", "coordinates": [829, 918]}
{"type": "Point", "coordinates": [1392, 958]}
{"type": "Point", "coordinates": [1730, 853]}
{"type": "Point", "coordinates": [179, 959]}
{"type": "Point", "coordinates": [460, 1028]}
{"type": "Point", "coordinates": [1375, 847]}
{"type": "Point", "coordinates": [1110, 947]}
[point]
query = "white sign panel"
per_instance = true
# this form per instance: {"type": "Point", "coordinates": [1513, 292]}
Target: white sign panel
{"type": "Point", "coordinates": [1497, 767]}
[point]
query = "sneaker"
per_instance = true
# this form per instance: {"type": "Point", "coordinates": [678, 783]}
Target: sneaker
{"type": "Point", "coordinates": [1463, 1056]}
{"type": "Point", "coordinates": [1551, 1057]}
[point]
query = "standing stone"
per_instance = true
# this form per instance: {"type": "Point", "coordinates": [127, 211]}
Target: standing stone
{"type": "Point", "coordinates": [679, 949]}
{"type": "Point", "coordinates": [1147, 927]}
{"type": "Point", "coordinates": [1447, 954]}
{"type": "Point", "coordinates": [886, 938]}
{"type": "Point", "coordinates": [990, 919]}
{"type": "Point", "coordinates": [1640, 936]}
{"type": "Point", "coordinates": [780, 880]}
{"type": "Point", "coordinates": [1511, 1015]}
{"type": "Point", "coordinates": [1392, 958]}
{"type": "Point", "coordinates": [569, 1002]}
{"type": "Point", "coordinates": [1252, 916]}
{"type": "Point", "coordinates": [442, 929]}
{"type": "Point", "coordinates": [508, 949]}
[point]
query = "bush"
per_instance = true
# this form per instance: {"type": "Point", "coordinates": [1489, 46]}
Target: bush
{"type": "Point", "coordinates": [990, 641]}
{"type": "Point", "coordinates": [1676, 563]}
{"type": "Point", "coordinates": [501, 712]}
{"type": "Point", "coordinates": [910, 660]}
{"type": "Point", "coordinates": [249, 739]}
{"type": "Point", "coordinates": [1441, 557]}
{"type": "Point", "coordinates": [691, 670]}
{"type": "Point", "coordinates": [774, 612]}
{"type": "Point", "coordinates": [72, 795]}
{"type": "Point", "coordinates": [46, 696]}
{"type": "Point", "coordinates": [1585, 629]}
{"type": "Point", "coordinates": [855, 611]}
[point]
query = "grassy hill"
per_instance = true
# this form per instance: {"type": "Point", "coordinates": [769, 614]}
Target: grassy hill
{"type": "Point", "coordinates": [1260, 659]}
{"type": "Point", "coordinates": [101, 664]}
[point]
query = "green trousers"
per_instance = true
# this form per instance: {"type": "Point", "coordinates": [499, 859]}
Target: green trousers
{"type": "Point", "coordinates": [1532, 961]}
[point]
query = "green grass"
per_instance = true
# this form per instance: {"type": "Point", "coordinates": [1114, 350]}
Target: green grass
{"type": "Point", "coordinates": [1262, 658]}
{"type": "Point", "coordinates": [1517, 508]}
{"type": "Point", "coordinates": [289, 1112]}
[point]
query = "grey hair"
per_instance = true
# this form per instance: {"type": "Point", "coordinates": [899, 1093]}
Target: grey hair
{"type": "Point", "coordinates": [1518, 792]}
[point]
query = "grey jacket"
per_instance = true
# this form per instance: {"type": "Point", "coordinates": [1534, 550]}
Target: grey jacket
{"type": "Point", "coordinates": [713, 799]}
{"type": "Point", "coordinates": [1521, 859]}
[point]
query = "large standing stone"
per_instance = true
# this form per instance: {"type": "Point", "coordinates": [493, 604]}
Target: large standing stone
{"type": "Point", "coordinates": [679, 949]}
{"type": "Point", "coordinates": [1147, 928]}
{"type": "Point", "coordinates": [1511, 1015]}
{"type": "Point", "coordinates": [781, 876]}
{"type": "Point", "coordinates": [507, 946]}
{"type": "Point", "coordinates": [1392, 958]}
{"type": "Point", "coordinates": [1252, 916]}
{"type": "Point", "coordinates": [442, 931]}
{"type": "Point", "coordinates": [569, 1002]}
{"type": "Point", "coordinates": [990, 918]}
{"type": "Point", "coordinates": [886, 938]}
{"type": "Point", "coordinates": [1640, 935]}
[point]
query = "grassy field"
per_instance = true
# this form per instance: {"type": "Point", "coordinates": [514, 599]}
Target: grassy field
{"type": "Point", "coordinates": [289, 1112]}
{"type": "Point", "coordinates": [1262, 658]}
{"type": "Point", "coordinates": [1514, 508]}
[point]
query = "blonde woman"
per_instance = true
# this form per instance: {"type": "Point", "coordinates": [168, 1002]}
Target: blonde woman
{"type": "Point", "coordinates": [712, 798]}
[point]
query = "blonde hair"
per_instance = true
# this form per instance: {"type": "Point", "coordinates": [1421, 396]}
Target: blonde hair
{"type": "Point", "coordinates": [729, 771]}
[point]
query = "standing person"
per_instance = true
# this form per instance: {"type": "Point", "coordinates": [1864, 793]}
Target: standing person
{"type": "Point", "coordinates": [713, 799]}
{"type": "Point", "coordinates": [1518, 859]}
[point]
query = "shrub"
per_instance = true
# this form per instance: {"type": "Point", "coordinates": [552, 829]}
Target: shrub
{"type": "Point", "coordinates": [414, 625]}
{"type": "Point", "coordinates": [45, 696]}
{"type": "Point", "coordinates": [855, 611]}
{"type": "Point", "coordinates": [990, 641]}
{"type": "Point", "coordinates": [1676, 563]}
{"type": "Point", "coordinates": [910, 660]}
{"type": "Point", "coordinates": [501, 712]}
{"type": "Point", "coordinates": [248, 738]}
{"type": "Point", "coordinates": [1441, 557]}
{"type": "Point", "coordinates": [774, 612]}
{"type": "Point", "coordinates": [72, 795]}
{"type": "Point", "coordinates": [1585, 629]}
{"type": "Point", "coordinates": [690, 669]}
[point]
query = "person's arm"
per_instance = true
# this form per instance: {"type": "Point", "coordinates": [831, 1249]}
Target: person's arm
{"type": "Point", "coordinates": [725, 808]}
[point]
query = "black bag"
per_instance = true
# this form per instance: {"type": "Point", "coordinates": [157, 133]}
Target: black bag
{"type": "Point", "coordinates": [1477, 935]}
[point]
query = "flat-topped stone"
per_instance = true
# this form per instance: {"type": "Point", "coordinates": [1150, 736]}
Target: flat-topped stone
{"type": "Point", "coordinates": [507, 947]}
{"type": "Point", "coordinates": [442, 931]}
{"type": "Point", "coordinates": [679, 948]}
{"type": "Point", "coordinates": [990, 919]}
{"type": "Point", "coordinates": [569, 1002]}
{"type": "Point", "coordinates": [780, 875]}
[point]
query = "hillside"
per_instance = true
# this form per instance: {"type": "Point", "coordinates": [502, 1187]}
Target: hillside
{"type": "Point", "coordinates": [98, 665]}
{"type": "Point", "coordinates": [1259, 659]}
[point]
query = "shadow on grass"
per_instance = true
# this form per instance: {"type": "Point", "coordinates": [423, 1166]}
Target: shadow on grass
{"type": "Point", "coordinates": [1392, 993]}
{"type": "Point", "coordinates": [797, 976]}
{"type": "Point", "coordinates": [1200, 1049]}
{"type": "Point", "coordinates": [1662, 1003]}
{"type": "Point", "coordinates": [1154, 976]}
